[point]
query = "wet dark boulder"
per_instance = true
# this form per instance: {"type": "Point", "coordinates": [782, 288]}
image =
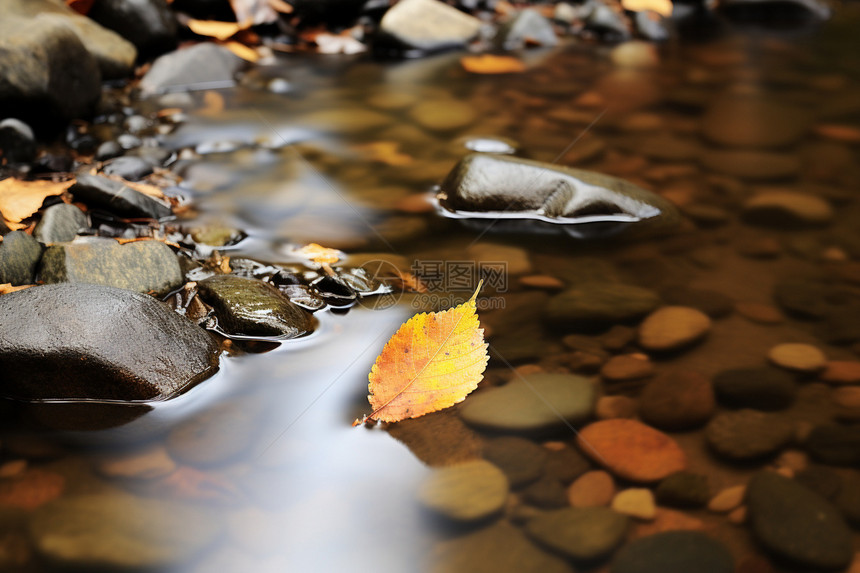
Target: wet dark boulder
{"type": "Point", "coordinates": [117, 198]}
{"type": "Point", "coordinates": [148, 24]}
{"type": "Point", "coordinates": [796, 524]}
{"type": "Point", "coordinates": [583, 203]}
{"type": "Point", "coordinates": [17, 142]}
{"type": "Point", "coordinates": [142, 266]}
{"type": "Point", "coordinates": [19, 256]}
{"type": "Point", "coordinates": [45, 70]}
{"type": "Point", "coordinates": [249, 308]}
{"type": "Point", "coordinates": [81, 341]}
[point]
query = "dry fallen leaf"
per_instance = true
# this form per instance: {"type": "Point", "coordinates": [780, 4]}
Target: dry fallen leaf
{"type": "Point", "coordinates": [318, 254]}
{"type": "Point", "coordinates": [662, 7]}
{"type": "Point", "coordinates": [213, 28]}
{"type": "Point", "coordinates": [490, 64]}
{"type": "Point", "coordinates": [246, 53]}
{"type": "Point", "coordinates": [432, 362]}
{"type": "Point", "coordinates": [21, 199]}
{"type": "Point", "coordinates": [6, 288]}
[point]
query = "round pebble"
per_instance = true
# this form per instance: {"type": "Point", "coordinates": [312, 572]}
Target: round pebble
{"type": "Point", "coordinates": [636, 502]}
{"type": "Point", "coordinates": [594, 488]}
{"type": "Point", "coordinates": [781, 209]}
{"type": "Point", "coordinates": [748, 434]}
{"type": "Point", "coordinates": [673, 552]}
{"type": "Point", "coordinates": [632, 450]}
{"type": "Point", "coordinates": [609, 407]}
{"type": "Point", "coordinates": [841, 372]}
{"type": "Point", "coordinates": [583, 533]}
{"type": "Point", "coordinates": [759, 312]}
{"type": "Point", "coordinates": [684, 489]}
{"type": "Point", "coordinates": [673, 327]}
{"type": "Point", "coordinates": [796, 356]}
{"type": "Point", "coordinates": [546, 493]}
{"type": "Point", "coordinates": [465, 492]}
{"type": "Point", "coordinates": [758, 388]}
{"type": "Point", "coordinates": [727, 499]}
{"type": "Point", "coordinates": [627, 367]}
{"type": "Point", "coordinates": [521, 460]}
{"type": "Point", "coordinates": [677, 400]}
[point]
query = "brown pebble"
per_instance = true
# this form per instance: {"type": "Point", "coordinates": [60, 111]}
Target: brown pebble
{"type": "Point", "coordinates": [594, 488]}
{"type": "Point", "coordinates": [527, 369]}
{"type": "Point", "coordinates": [738, 516]}
{"type": "Point", "coordinates": [796, 460]}
{"type": "Point", "coordinates": [673, 327]}
{"type": "Point", "coordinates": [13, 468]}
{"type": "Point", "coordinates": [617, 337]}
{"type": "Point", "coordinates": [609, 407]}
{"type": "Point", "coordinates": [627, 367]}
{"type": "Point", "coordinates": [754, 564]}
{"type": "Point", "coordinates": [855, 564]}
{"type": "Point", "coordinates": [841, 372]}
{"type": "Point", "coordinates": [728, 499]}
{"type": "Point", "coordinates": [667, 520]}
{"type": "Point", "coordinates": [847, 397]}
{"type": "Point", "coordinates": [838, 132]}
{"type": "Point", "coordinates": [545, 282]}
{"type": "Point", "coordinates": [415, 204]}
{"type": "Point", "coordinates": [759, 312]}
{"type": "Point", "coordinates": [797, 356]}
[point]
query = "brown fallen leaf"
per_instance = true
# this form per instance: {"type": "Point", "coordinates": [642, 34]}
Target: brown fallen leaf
{"type": "Point", "coordinates": [490, 64]}
{"type": "Point", "coordinates": [213, 28]}
{"type": "Point", "coordinates": [318, 254]}
{"type": "Point", "coordinates": [6, 288]}
{"type": "Point", "coordinates": [245, 52]}
{"type": "Point", "coordinates": [21, 199]}
{"type": "Point", "coordinates": [432, 362]}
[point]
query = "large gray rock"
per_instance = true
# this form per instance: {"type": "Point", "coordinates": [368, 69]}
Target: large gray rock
{"type": "Point", "coordinates": [117, 531]}
{"type": "Point", "coordinates": [19, 256]}
{"type": "Point", "coordinates": [79, 341]}
{"type": "Point", "coordinates": [45, 70]}
{"type": "Point", "coordinates": [428, 25]}
{"type": "Point", "coordinates": [114, 55]}
{"type": "Point", "coordinates": [60, 223]}
{"type": "Point", "coordinates": [117, 198]}
{"type": "Point", "coordinates": [797, 524]}
{"type": "Point", "coordinates": [148, 24]}
{"type": "Point", "coordinates": [485, 186]}
{"type": "Point", "coordinates": [142, 266]}
{"type": "Point", "coordinates": [203, 65]}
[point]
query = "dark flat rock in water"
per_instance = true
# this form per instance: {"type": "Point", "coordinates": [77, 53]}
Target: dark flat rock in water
{"type": "Point", "coordinates": [81, 341]}
{"type": "Point", "coordinates": [797, 524]}
{"type": "Point", "coordinates": [142, 266]}
{"type": "Point", "coordinates": [116, 198]}
{"type": "Point", "coordinates": [252, 308]}
{"type": "Point", "coordinates": [673, 552]}
{"type": "Point", "coordinates": [583, 203]}
{"type": "Point", "coordinates": [19, 256]}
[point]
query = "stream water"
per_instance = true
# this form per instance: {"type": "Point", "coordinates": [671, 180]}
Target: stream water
{"type": "Point", "coordinates": [345, 152]}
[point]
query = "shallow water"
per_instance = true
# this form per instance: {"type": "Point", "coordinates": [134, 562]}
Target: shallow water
{"type": "Point", "coordinates": [342, 160]}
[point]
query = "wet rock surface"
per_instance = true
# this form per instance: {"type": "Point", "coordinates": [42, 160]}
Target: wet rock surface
{"type": "Point", "coordinates": [143, 266]}
{"type": "Point", "coordinates": [486, 185]}
{"type": "Point", "coordinates": [117, 198]}
{"type": "Point", "coordinates": [60, 224]}
{"type": "Point", "coordinates": [797, 524]}
{"type": "Point", "coordinates": [46, 331]}
{"type": "Point", "coordinates": [250, 307]}
{"type": "Point", "coordinates": [748, 434]}
{"type": "Point", "coordinates": [19, 256]}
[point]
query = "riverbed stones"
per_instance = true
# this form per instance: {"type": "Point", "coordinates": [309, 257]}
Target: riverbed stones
{"type": "Point", "coordinates": [677, 400]}
{"type": "Point", "coordinates": [797, 524]}
{"type": "Point", "coordinates": [466, 492]}
{"type": "Point", "coordinates": [60, 223]}
{"type": "Point", "coordinates": [684, 489]}
{"type": "Point", "coordinates": [65, 341]}
{"type": "Point", "coordinates": [142, 266]}
{"type": "Point", "coordinates": [751, 165]}
{"type": "Point", "coordinates": [251, 307]}
{"type": "Point", "coordinates": [745, 121]}
{"type": "Point", "coordinates": [522, 405]}
{"type": "Point", "coordinates": [499, 547]}
{"type": "Point", "coordinates": [631, 450]}
{"type": "Point", "coordinates": [637, 502]}
{"type": "Point", "coordinates": [521, 460]}
{"type": "Point", "coordinates": [602, 303]}
{"type": "Point", "coordinates": [204, 64]}
{"type": "Point", "coordinates": [836, 444]}
{"type": "Point", "coordinates": [428, 25]}
{"type": "Point", "coordinates": [757, 388]}
{"type": "Point", "coordinates": [673, 552]}
{"type": "Point", "coordinates": [841, 372]}
{"type": "Point", "coordinates": [673, 327]}
{"type": "Point", "coordinates": [46, 68]}
{"type": "Point", "coordinates": [117, 198]}
{"type": "Point", "coordinates": [19, 256]}
{"type": "Point", "coordinates": [786, 209]}
{"type": "Point", "coordinates": [797, 357]}
{"type": "Point", "coordinates": [480, 185]}
{"type": "Point", "coordinates": [594, 488]}
{"type": "Point", "coordinates": [581, 533]}
{"type": "Point", "coordinates": [114, 530]}
{"type": "Point", "coordinates": [748, 434]}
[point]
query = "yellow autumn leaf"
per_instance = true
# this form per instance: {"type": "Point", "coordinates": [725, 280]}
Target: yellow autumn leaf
{"type": "Point", "coordinates": [432, 362]}
{"type": "Point", "coordinates": [662, 7]}
{"type": "Point", "coordinates": [21, 199]}
{"type": "Point", "coordinates": [490, 64]}
{"type": "Point", "coordinates": [214, 29]}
